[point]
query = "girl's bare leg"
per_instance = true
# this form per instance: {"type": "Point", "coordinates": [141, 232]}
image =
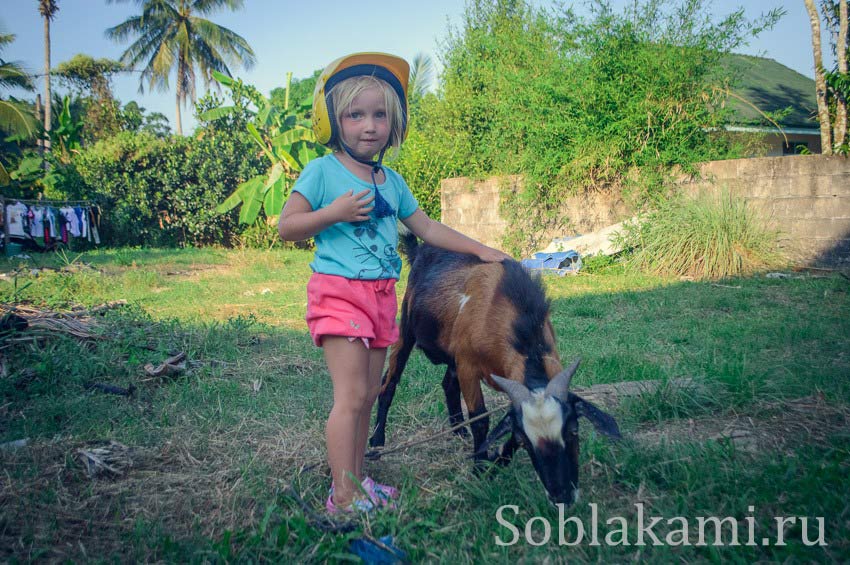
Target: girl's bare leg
{"type": "Point", "coordinates": [349, 366]}
{"type": "Point", "coordinates": [376, 370]}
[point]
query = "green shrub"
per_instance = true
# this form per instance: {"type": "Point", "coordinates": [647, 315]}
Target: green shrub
{"type": "Point", "coordinates": [709, 236]}
{"type": "Point", "coordinates": [163, 192]}
{"type": "Point", "coordinates": [263, 234]}
{"type": "Point", "coordinates": [613, 99]}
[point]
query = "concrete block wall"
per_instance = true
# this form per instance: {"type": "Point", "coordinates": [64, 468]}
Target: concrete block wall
{"type": "Point", "coordinates": [806, 197]}
{"type": "Point", "coordinates": [472, 207]}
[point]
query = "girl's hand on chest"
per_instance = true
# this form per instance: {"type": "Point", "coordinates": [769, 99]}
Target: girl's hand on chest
{"type": "Point", "coordinates": [352, 207]}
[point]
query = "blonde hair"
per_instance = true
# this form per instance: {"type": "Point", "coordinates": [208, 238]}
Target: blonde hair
{"type": "Point", "coordinates": [344, 93]}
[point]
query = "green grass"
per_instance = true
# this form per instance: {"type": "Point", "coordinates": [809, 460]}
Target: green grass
{"type": "Point", "coordinates": [706, 236]}
{"type": "Point", "coordinates": [218, 446]}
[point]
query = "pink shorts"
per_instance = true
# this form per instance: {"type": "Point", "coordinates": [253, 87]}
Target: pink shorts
{"type": "Point", "coordinates": [364, 309]}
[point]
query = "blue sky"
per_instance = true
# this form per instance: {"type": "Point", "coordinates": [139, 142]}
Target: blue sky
{"type": "Point", "coordinates": [301, 36]}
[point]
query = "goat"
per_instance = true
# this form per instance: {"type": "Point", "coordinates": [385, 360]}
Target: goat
{"type": "Point", "coordinates": [483, 320]}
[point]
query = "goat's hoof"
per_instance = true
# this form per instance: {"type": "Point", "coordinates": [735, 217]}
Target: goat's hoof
{"type": "Point", "coordinates": [373, 454]}
{"type": "Point", "coordinates": [502, 461]}
{"type": "Point", "coordinates": [461, 432]}
{"type": "Point", "coordinates": [482, 467]}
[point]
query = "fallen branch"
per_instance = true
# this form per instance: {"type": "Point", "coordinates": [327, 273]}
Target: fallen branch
{"type": "Point", "coordinates": [100, 309]}
{"type": "Point", "coordinates": [171, 366]}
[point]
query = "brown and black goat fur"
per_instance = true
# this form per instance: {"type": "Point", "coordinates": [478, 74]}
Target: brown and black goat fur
{"type": "Point", "coordinates": [479, 319]}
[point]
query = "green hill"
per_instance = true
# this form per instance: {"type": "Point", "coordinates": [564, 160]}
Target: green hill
{"type": "Point", "coordinates": [771, 86]}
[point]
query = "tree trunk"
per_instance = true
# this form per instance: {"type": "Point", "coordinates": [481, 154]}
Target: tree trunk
{"type": "Point", "coordinates": [179, 93]}
{"type": "Point", "coordinates": [47, 112]}
{"type": "Point", "coordinates": [39, 142]}
{"type": "Point", "coordinates": [179, 124]}
{"type": "Point", "coordinates": [841, 56]}
{"type": "Point", "coordinates": [820, 80]}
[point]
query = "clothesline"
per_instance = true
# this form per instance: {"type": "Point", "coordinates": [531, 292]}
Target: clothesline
{"type": "Point", "coordinates": [49, 219]}
{"type": "Point", "coordinates": [44, 201]}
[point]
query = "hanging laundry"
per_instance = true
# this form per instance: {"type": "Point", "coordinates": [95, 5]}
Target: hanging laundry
{"type": "Point", "coordinates": [81, 221]}
{"type": "Point", "coordinates": [71, 222]}
{"type": "Point", "coordinates": [16, 218]}
{"type": "Point", "coordinates": [36, 214]}
{"type": "Point", "coordinates": [94, 221]}
{"type": "Point", "coordinates": [51, 221]}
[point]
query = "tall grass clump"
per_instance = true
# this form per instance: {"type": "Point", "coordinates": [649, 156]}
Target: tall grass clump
{"type": "Point", "coordinates": [708, 236]}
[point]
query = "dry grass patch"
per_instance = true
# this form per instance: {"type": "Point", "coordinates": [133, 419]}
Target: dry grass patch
{"type": "Point", "coordinates": [769, 426]}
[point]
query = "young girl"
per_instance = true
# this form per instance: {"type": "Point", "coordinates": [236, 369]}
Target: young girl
{"type": "Point", "coordinates": [349, 203]}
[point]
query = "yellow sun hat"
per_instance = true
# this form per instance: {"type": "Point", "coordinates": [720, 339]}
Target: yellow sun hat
{"type": "Point", "coordinates": [391, 69]}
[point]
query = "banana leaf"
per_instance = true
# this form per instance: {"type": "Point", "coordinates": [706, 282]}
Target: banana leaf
{"type": "Point", "coordinates": [297, 133]}
{"type": "Point", "coordinates": [252, 129]}
{"type": "Point", "coordinates": [217, 113]}
{"type": "Point", "coordinates": [223, 78]}
{"type": "Point", "coordinates": [273, 202]}
{"type": "Point", "coordinates": [251, 205]}
{"type": "Point", "coordinates": [241, 194]}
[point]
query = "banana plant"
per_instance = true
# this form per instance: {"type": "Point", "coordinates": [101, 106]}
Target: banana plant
{"type": "Point", "coordinates": [68, 133]}
{"type": "Point", "coordinates": [287, 141]}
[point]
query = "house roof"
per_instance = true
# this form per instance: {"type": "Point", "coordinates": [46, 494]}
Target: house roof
{"type": "Point", "coordinates": [772, 87]}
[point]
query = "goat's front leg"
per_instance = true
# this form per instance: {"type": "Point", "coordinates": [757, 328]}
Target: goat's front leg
{"type": "Point", "coordinates": [398, 359]}
{"type": "Point", "coordinates": [470, 387]}
{"type": "Point", "coordinates": [507, 452]}
{"type": "Point", "coordinates": [451, 388]}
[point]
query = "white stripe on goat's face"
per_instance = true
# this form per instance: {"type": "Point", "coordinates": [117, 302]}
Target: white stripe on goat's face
{"type": "Point", "coordinates": [463, 300]}
{"type": "Point", "coordinates": [542, 418]}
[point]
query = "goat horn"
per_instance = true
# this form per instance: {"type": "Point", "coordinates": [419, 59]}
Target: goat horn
{"type": "Point", "coordinates": [517, 392]}
{"type": "Point", "coordinates": [559, 386]}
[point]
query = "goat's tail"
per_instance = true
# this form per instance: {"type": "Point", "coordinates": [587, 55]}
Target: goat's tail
{"type": "Point", "coordinates": [409, 245]}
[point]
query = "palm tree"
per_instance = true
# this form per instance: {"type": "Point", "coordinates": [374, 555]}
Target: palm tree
{"type": "Point", "coordinates": [47, 9]}
{"type": "Point", "coordinates": [16, 118]}
{"type": "Point", "coordinates": [170, 32]}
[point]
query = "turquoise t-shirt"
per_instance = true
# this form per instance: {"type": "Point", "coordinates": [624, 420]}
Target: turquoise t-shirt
{"type": "Point", "coordinates": [361, 250]}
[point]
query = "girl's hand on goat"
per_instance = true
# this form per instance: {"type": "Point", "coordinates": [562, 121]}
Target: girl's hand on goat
{"type": "Point", "coordinates": [352, 207]}
{"type": "Point", "coordinates": [490, 255]}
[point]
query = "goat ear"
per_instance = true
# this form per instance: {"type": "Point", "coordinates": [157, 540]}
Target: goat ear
{"type": "Point", "coordinates": [517, 392]}
{"type": "Point", "coordinates": [603, 422]}
{"type": "Point", "coordinates": [559, 386]}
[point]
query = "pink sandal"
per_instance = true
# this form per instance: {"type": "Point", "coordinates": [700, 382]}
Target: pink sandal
{"type": "Point", "coordinates": [357, 505]}
{"type": "Point", "coordinates": [379, 493]}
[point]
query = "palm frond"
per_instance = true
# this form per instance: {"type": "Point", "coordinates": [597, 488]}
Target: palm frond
{"type": "Point", "coordinates": [127, 28]}
{"type": "Point", "coordinates": [17, 118]}
{"type": "Point", "coordinates": [161, 9]}
{"type": "Point", "coordinates": [233, 48]}
{"type": "Point", "coordinates": [48, 8]}
{"type": "Point", "coordinates": [209, 59]}
{"type": "Point", "coordinates": [160, 64]}
{"type": "Point", "coordinates": [144, 47]}
{"type": "Point", "coordinates": [209, 6]}
{"type": "Point", "coordinates": [421, 75]}
{"type": "Point", "coordinates": [6, 39]}
{"type": "Point", "coordinates": [13, 76]}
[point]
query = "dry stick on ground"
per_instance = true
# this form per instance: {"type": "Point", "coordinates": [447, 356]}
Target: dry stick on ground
{"type": "Point", "coordinates": [59, 322]}
{"type": "Point", "coordinates": [627, 388]}
{"type": "Point", "coordinates": [382, 452]}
